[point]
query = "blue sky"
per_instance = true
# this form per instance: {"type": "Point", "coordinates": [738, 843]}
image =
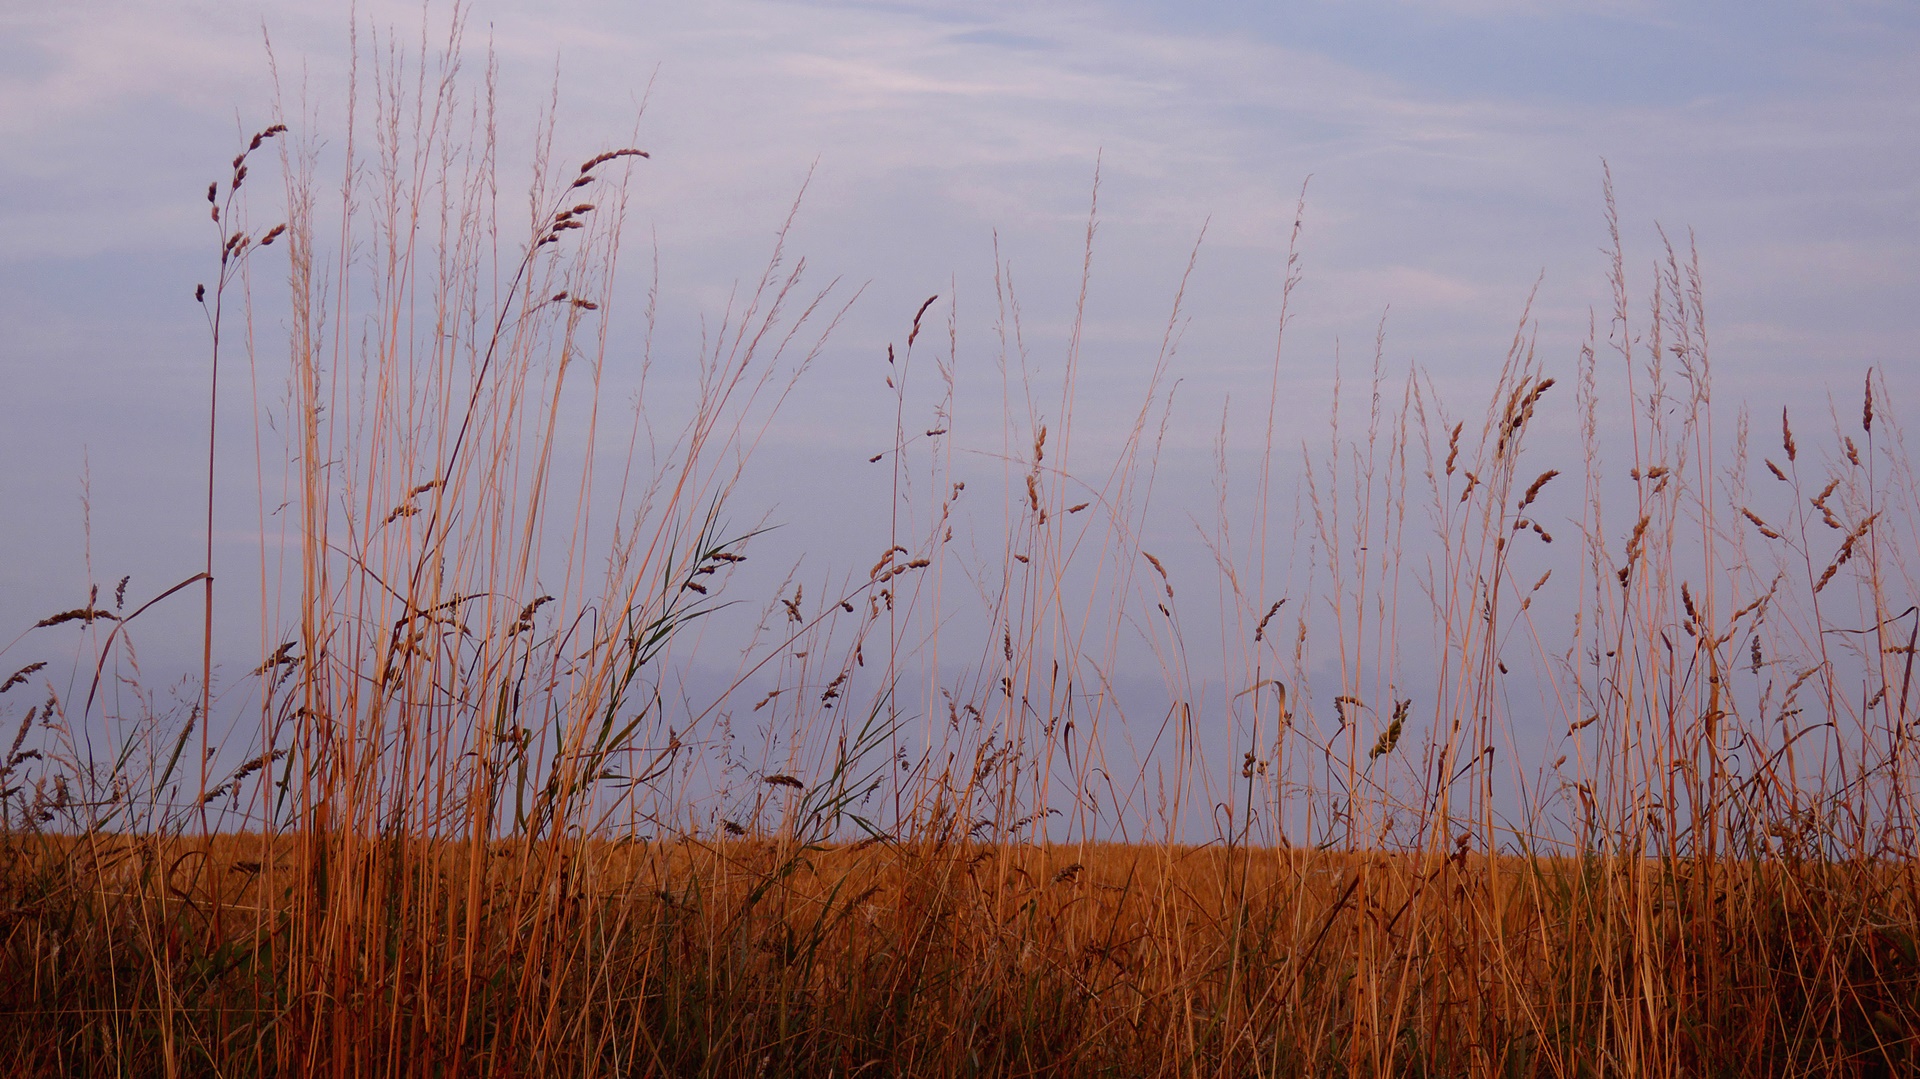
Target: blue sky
{"type": "Point", "coordinates": [1454, 149]}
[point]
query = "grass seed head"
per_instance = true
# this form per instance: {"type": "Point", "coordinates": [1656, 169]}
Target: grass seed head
{"type": "Point", "coordinates": [600, 159]}
{"type": "Point", "coordinates": [1260, 630]}
{"type": "Point", "coordinates": [1533, 490]}
{"type": "Point", "coordinates": [915, 332]}
{"type": "Point", "coordinates": [20, 676]}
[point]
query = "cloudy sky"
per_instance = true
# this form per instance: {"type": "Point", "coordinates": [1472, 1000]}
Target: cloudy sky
{"type": "Point", "coordinates": [1451, 152]}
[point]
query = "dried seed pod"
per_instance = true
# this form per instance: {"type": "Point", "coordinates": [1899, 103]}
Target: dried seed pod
{"type": "Point", "coordinates": [1165, 581]}
{"type": "Point", "coordinates": [915, 332]}
{"type": "Point", "coordinates": [1533, 491]}
{"type": "Point", "coordinates": [21, 676]}
{"type": "Point", "coordinates": [1260, 630]}
{"type": "Point", "coordinates": [886, 560]}
{"type": "Point", "coordinates": [601, 159]}
{"type": "Point", "coordinates": [1758, 523]}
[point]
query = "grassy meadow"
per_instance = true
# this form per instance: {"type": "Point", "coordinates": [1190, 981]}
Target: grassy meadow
{"type": "Point", "coordinates": [460, 816]}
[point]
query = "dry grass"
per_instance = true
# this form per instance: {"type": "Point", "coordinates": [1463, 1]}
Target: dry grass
{"type": "Point", "coordinates": [457, 821]}
{"type": "Point", "coordinates": [757, 956]}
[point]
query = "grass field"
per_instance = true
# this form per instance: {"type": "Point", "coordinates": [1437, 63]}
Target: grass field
{"type": "Point", "coordinates": [462, 819]}
{"type": "Point", "coordinates": [768, 958]}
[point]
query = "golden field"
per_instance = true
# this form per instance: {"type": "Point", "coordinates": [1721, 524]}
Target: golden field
{"type": "Point", "coordinates": [943, 959]}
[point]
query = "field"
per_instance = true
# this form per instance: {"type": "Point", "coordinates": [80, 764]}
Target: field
{"type": "Point", "coordinates": [470, 815]}
{"type": "Point", "coordinates": [924, 959]}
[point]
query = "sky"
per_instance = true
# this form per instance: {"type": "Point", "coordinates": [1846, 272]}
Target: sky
{"type": "Point", "coordinates": [1451, 153]}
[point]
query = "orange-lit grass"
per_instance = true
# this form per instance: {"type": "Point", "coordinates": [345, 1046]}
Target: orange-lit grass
{"type": "Point", "coordinates": [947, 958]}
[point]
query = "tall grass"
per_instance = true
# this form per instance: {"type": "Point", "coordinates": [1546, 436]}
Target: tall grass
{"type": "Point", "coordinates": [467, 822]}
